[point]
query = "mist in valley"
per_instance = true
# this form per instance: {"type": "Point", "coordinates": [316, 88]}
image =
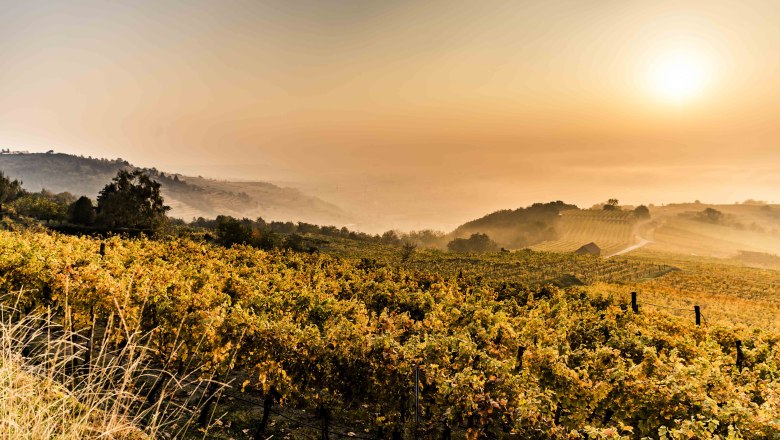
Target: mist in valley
{"type": "Point", "coordinates": [407, 115]}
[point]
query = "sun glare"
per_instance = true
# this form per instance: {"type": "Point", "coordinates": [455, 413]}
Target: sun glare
{"type": "Point", "coordinates": [679, 76]}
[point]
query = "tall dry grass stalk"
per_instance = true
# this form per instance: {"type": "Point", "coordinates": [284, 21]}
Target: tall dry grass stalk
{"type": "Point", "coordinates": [53, 387]}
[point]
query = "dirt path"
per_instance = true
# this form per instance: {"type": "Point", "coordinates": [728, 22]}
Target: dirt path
{"type": "Point", "coordinates": [642, 241]}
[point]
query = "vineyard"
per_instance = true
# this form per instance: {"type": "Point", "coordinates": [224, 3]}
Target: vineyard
{"type": "Point", "coordinates": [527, 267]}
{"type": "Point", "coordinates": [610, 230]}
{"type": "Point", "coordinates": [686, 236]}
{"type": "Point", "coordinates": [536, 269]}
{"type": "Point", "coordinates": [336, 344]}
{"type": "Point", "coordinates": [728, 290]}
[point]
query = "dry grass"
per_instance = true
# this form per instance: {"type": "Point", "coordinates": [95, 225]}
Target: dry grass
{"type": "Point", "coordinates": [48, 391]}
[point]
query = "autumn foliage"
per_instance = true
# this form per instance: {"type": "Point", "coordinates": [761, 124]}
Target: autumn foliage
{"type": "Point", "coordinates": [320, 332]}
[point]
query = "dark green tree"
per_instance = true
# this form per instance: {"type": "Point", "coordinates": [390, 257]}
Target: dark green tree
{"type": "Point", "coordinates": [642, 212]}
{"type": "Point", "coordinates": [232, 231]}
{"type": "Point", "coordinates": [131, 200]}
{"type": "Point", "coordinates": [295, 242]}
{"type": "Point", "coordinates": [391, 237]}
{"type": "Point", "coordinates": [476, 243]}
{"type": "Point", "coordinates": [41, 206]}
{"type": "Point", "coordinates": [268, 240]}
{"type": "Point", "coordinates": [10, 190]}
{"type": "Point", "coordinates": [407, 251]}
{"type": "Point", "coordinates": [82, 212]}
{"type": "Point", "coordinates": [611, 205]}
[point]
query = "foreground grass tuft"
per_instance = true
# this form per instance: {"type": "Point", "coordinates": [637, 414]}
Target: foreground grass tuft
{"type": "Point", "coordinates": [48, 391]}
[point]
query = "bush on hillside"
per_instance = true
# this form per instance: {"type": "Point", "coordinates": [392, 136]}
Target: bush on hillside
{"type": "Point", "coordinates": [477, 243]}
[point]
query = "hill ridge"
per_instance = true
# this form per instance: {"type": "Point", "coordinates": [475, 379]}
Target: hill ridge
{"type": "Point", "coordinates": [188, 196]}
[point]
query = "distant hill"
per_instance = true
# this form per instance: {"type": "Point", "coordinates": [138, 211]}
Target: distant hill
{"type": "Point", "coordinates": [187, 196]}
{"type": "Point", "coordinates": [686, 228]}
{"type": "Point", "coordinates": [520, 227]}
{"type": "Point", "coordinates": [747, 232]}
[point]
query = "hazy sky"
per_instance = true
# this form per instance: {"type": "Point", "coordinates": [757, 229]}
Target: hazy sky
{"type": "Point", "coordinates": [415, 113]}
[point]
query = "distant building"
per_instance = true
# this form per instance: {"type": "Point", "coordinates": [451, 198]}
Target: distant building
{"type": "Point", "coordinates": [590, 248]}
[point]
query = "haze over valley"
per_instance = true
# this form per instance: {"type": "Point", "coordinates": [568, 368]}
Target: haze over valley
{"type": "Point", "coordinates": [684, 228]}
{"type": "Point", "coordinates": [407, 115]}
{"type": "Point", "coordinates": [390, 219]}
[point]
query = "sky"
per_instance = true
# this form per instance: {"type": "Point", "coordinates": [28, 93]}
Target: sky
{"type": "Point", "coordinates": [411, 114]}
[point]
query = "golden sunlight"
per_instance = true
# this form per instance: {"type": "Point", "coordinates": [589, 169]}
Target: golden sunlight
{"type": "Point", "coordinates": [679, 75]}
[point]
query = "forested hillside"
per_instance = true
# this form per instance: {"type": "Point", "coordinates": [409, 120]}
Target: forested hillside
{"type": "Point", "coordinates": [187, 196]}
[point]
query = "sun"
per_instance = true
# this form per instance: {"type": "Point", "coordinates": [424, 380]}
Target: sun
{"type": "Point", "coordinates": [679, 76]}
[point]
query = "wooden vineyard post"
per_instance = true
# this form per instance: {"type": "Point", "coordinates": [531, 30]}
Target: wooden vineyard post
{"type": "Point", "coordinates": [324, 423]}
{"type": "Point", "coordinates": [520, 352]}
{"type": "Point", "coordinates": [102, 249]}
{"type": "Point", "coordinates": [205, 412]}
{"type": "Point", "coordinates": [634, 305]}
{"type": "Point", "coordinates": [416, 398]}
{"type": "Point", "coordinates": [739, 355]}
{"type": "Point", "coordinates": [268, 402]}
{"type": "Point", "coordinates": [697, 310]}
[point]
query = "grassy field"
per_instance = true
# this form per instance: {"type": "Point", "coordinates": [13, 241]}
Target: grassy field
{"type": "Point", "coordinates": [675, 229]}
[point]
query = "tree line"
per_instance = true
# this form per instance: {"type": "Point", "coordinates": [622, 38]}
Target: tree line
{"type": "Point", "coordinates": [131, 201]}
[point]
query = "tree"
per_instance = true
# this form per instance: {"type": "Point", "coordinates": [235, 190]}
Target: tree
{"type": "Point", "coordinates": [232, 231]}
{"type": "Point", "coordinates": [131, 200]}
{"type": "Point", "coordinates": [295, 242]}
{"type": "Point", "coordinates": [642, 211]}
{"type": "Point", "coordinates": [407, 251]}
{"type": "Point", "coordinates": [10, 190]}
{"type": "Point", "coordinates": [476, 243]}
{"type": "Point", "coordinates": [307, 228]}
{"type": "Point", "coordinates": [41, 207]}
{"type": "Point", "coordinates": [426, 237]}
{"type": "Point", "coordinates": [82, 212]}
{"type": "Point", "coordinates": [611, 205]}
{"type": "Point", "coordinates": [710, 215]}
{"type": "Point", "coordinates": [391, 237]}
{"type": "Point", "coordinates": [63, 198]}
{"type": "Point", "coordinates": [268, 240]}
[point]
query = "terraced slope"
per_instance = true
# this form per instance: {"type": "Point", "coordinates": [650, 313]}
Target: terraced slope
{"type": "Point", "coordinates": [746, 228]}
{"type": "Point", "coordinates": [610, 230]}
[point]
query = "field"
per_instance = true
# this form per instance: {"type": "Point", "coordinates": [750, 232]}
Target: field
{"type": "Point", "coordinates": [313, 343]}
{"type": "Point", "coordinates": [527, 267]}
{"type": "Point", "coordinates": [679, 235]}
{"type": "Point", "coordinates": [612, 231]}
{"type": "Point", "coordinates": [673, 229]}
{"type": "Point", "coordinates": [728, 291]}
{"type": "Point", "coordinates": [745, 228]}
